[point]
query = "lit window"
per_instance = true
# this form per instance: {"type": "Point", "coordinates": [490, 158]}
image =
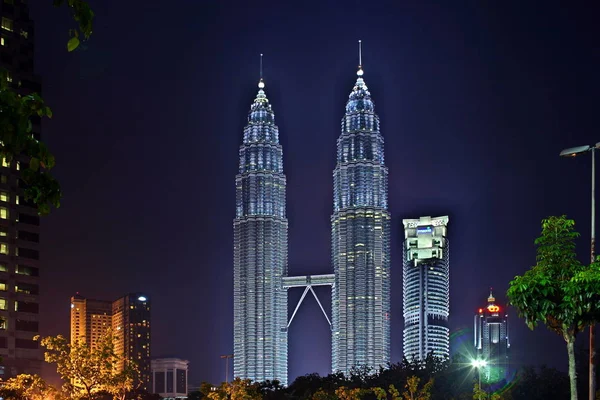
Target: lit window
{"type": "Point", "coordinates": [3, 268]}
{"type": "Point", "coordinates": [24, 33]}
{"type": "Point", "coordinates": [2, 41]}
{"type": "Point", "coordinates": [8, 77]}
{"type": "Point", "coordinates": [3, 196]}
{"type": "Point", "coordinates": [3, 248]}
{"type": "Point", "coordinates": [3, 212]}
{"type": "Point", "coordinates": [7, 24]}
{"type": "Point", "coordinates": [17, 199]}
{"type": "Point", "coordinates": [3, 286]}
{"type": "Point", "coordinates": [18, 166]}
{"type": "Point", "coordinates": [3, 232]}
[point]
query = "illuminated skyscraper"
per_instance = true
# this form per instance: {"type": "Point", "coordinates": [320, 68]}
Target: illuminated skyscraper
{"type": "Point", "coordinates": [90, 319]}
{"type": "Point", "coordinates": [129, 320]}
{"type": "Point", "coordinates": [260, 250]}
{"type": "Point", "coordinates": [491, 340]}
{"type": "Point", "coordinates": [426, 284]}
{"type": "Point", "coordinates": [131, 328]}
{"type": "Point", "coordinates": [360, 239]}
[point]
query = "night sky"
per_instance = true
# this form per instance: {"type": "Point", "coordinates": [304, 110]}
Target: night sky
{"type": "Point", "coordinates": [476, 101]}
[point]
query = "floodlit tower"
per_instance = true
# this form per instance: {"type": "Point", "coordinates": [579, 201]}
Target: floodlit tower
{"type": "Point", "coordinates": [426, 284]}
{"type": "Point", "coordinates": [260, 250]}
{"type": "Point", "coordinates": [360, 239]}
{"type": "Point", "coordinates": [491, 340]}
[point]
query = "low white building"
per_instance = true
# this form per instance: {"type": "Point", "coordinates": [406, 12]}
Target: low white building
{"type": "Point", "coordinates": [170, 378]}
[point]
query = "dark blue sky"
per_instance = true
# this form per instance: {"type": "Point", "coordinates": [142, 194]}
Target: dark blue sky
{"type": "Point", "coordinates": [476, 101]}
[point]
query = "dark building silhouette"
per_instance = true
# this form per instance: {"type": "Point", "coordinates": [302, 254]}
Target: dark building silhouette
{"type": "Point", "coordinates": [19, 221]}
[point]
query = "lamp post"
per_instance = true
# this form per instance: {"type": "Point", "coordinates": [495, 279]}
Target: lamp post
{"type": "Point", "coordinates": [227, 357]}
{"type": "Point", "coordinates": [574, 152]}
{"type": "Point", "coordinates": [479, 364]}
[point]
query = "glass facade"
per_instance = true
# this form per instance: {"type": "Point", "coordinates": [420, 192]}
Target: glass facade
{"type": "Point", "coordinates": [360, 240]}
{"type": "Point", "coordinates": [426, 285]}
{"type": "Point", "coordinates": [260, 251]}
{"type": "Point", "coordinates": [491, 341]}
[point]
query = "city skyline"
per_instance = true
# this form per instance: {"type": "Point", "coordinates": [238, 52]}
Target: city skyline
{"type": "Point", "coordinates": [474, 116]}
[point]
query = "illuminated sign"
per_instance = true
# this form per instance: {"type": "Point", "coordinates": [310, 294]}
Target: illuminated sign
{"type": "Point", "coordinates": [424, 229]}
{"type": "Point", "coordinates": [142, 298]}
{"type": "Point", "coordinates": [493, 308]}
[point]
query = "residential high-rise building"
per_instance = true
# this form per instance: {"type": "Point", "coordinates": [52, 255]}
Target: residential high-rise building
{"type": "Point", "coordinates": [360, 239]}
{"type": "Point", "coordinates": [426, 284]}
{"type": "Point", "coordinates": [260, 250]}
{"type": "Point", "coordinates": [90, 319]}
{"type": "Point", "coordinates": [169, 378]}
{"type": "Point", "coordinates": [19, 221]}
{"type": "Point", "coordinates": [131, 328]}
{"type": "Point", "coordinates": [129, 320]}
{"type": "Point", "coordinates": [491, 340]}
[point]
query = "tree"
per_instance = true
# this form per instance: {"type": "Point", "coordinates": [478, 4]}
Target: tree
{"type": "Point", "coordinates": [124, 381]}
{"type": "Point", "coordinates": [558, 291]}
{"type": "Point", "coordinates": [478, 392]}
{"type": "Point", "coordinates": [239, 389]}
{"type": "Point", "coordinates": [27, 387]}
{"type": "Point", "coordinates": [88, 370]}
{"type": "Point", "coordinates": [412, 389]}
{"type": "Point", "coordinates": [344, 393]}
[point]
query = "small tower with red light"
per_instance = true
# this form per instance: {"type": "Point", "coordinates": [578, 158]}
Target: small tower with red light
{"type": "Point", "coordinates": [491, 340]}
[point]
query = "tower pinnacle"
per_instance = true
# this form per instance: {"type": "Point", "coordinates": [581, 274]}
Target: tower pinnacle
{"type": "Point", "coordinates": [360, 71]}
{"type": "Point", "coordinates": [261, 82]}
{"type": "Point", "coordinates": [491, 299]}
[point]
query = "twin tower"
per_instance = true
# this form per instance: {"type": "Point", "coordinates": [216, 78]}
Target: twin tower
{"type": "Point", "coordinates": [360, 243]}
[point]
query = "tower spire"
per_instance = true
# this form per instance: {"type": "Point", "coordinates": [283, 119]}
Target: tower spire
{"type": "Point", "coordinates": [360, 70]}
{"type": "Point", "coordinates": [491, 299]}
{"type": "Point", "coordinates": [261, 82]}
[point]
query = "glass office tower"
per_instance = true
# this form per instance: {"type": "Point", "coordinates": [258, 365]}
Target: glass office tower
{"type": "Point", "coordinates": [426, 284]}
{"type": "Point", "coordinates": [360, 239]}
{"type": "Point", "coordinates": [260, 250]}
{"type": "Point", "coordinates": [491, 340]}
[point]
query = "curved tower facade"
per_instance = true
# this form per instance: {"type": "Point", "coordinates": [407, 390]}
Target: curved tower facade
{"type": "Point", "coordinates": [260, 250]}
{"type": "Point", "coordinates": [426, 285]}
{"type": "Point", "coordinates": [360, 239]}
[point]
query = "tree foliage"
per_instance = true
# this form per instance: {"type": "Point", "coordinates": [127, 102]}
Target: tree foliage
{"type": "Point", "coordinates": [83, 16]}
{"type": "Point", "coordinates": [558, 291]}
{"type": "Point", "coordinates": [413, 392]}
{"type": "Point", "coordinates": [27, 387]}
{"type": "Point", "coordinates": [16, 114]}
{"type": "Point", "coordinates": [87, 370]}
{"type": "Point", "coordinates": [239, 389]}
{"type": "Point", "coordinates": [16, 139]}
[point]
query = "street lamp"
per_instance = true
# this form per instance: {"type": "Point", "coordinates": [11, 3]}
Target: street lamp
{"type": "Point", "coordinates": [574, 152]}
{"type": "Point", "coordinates": [227, 357]}
{"type": "Point", "coordinates": [479, 364]}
